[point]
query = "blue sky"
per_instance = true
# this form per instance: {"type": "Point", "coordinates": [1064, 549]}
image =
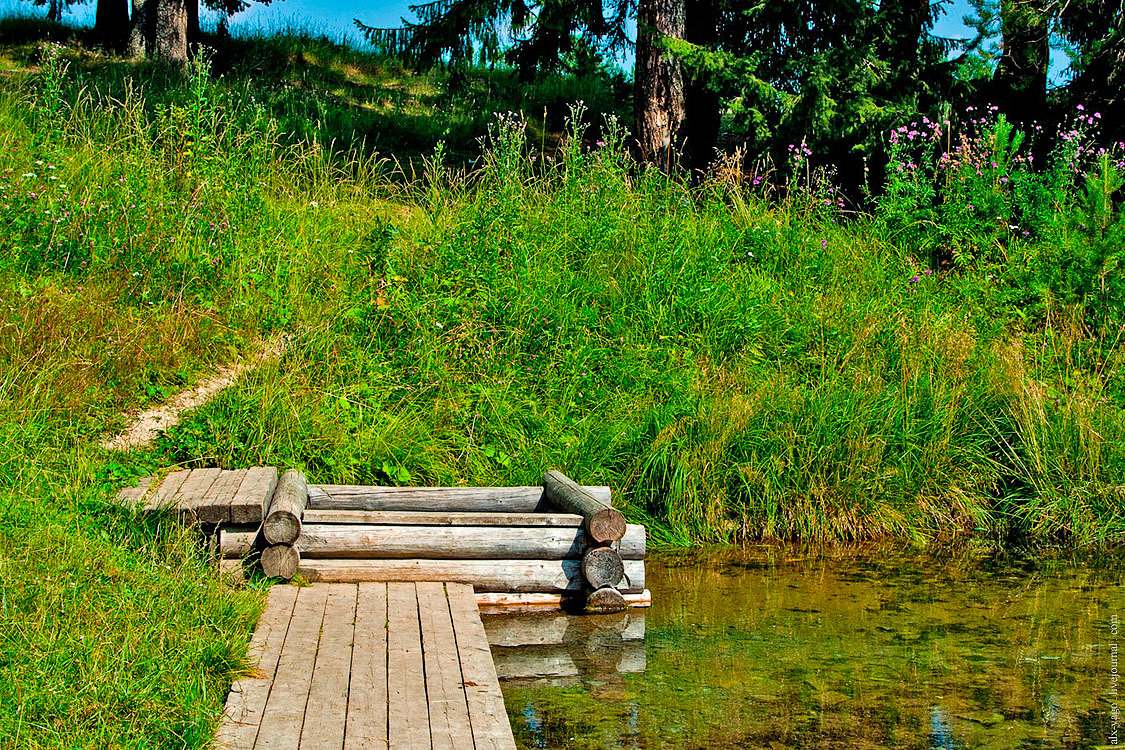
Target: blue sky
{"type": "Point", "coordinates": [334, 17]}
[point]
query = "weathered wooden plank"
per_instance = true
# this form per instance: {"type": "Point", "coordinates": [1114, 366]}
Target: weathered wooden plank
{"type": "Point", "coordinates": [367, 701]}
{"type": "Point", "coordinates": [487, 716]}
{"type": "Point", "coordinates": [603, 522]}
{"type": "Point", "coordinates": [360, 541]}
{"type": "Point", "coordinates": [282, 524]}
{"type": "Point", "coordinates": [436, 499]}
{"type": "Point", "coordinates": [215, 508]}
{"type": "Point", "coordinates": [246, 701]}
{"type": "Point", "coordinates": [503, 601]}
{"type": "Point", "coordinates": [191, 495]}
{"type": "Point", "coordinates": [248, 503]}
{"type": "Point", "coordinates": [445, 688]}
{"type": "Point", "coordinates": [165, 494]}
{"type": "Point", "coordinates": [513, 576]}
{"type": "Point", "coordinates": [284, 715]}
{"type": "Point", "coordinates": [408, 714]}
{"type": "Point", "coordinates": [132, 495]}
{"type": "Point", "coordinates": [328, 695]}
{"type": "Point", "coordinates": [429, 518]}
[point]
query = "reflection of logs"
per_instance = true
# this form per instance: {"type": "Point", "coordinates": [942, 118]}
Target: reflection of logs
{"type": "Point", "coordinates": [553, 662]}
{"type": "Point", "coordinates": [553, 649]}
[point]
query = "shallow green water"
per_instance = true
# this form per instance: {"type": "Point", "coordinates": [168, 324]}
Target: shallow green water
{"type": "Point", "coordinates": [872, 651]}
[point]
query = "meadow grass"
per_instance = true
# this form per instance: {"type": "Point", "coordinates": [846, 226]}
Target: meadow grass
{"type": "Point", "coordinates": [738, 364]}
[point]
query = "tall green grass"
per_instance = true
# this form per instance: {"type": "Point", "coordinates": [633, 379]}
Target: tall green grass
{"type": "Point", "coordinates": [737, 364]}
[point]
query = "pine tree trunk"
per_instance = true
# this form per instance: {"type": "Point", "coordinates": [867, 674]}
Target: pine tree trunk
{"type": "Point", "coordinates": [140, 28]}
{"type": "Point", "coordinates": [1020, 79]}
{"type": "Point", "coordinates": [169, 39]}
{"type": "Point", "coordinates": [111, 22]}
{"type": "Point", "coordinates": [659, 82]}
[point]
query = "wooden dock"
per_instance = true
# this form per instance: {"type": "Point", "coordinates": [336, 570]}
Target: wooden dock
{"type": "Point", "coordinates": [404, 666]}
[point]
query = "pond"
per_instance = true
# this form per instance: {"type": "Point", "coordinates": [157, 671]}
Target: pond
{"type": "Point", "coordinates": [868, 650]}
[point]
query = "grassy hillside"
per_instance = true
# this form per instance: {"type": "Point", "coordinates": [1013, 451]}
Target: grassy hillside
{"type": "Point", "coordinates": [739, 361]}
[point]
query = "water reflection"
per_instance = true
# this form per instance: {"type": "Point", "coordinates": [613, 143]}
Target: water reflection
{"type": "Point", "coordinates": [874, 650]}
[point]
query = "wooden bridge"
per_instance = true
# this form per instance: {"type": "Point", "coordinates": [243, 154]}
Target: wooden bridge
{"type": "Point", "coordinates": [387, 648]}
{"type": "Point", "coordinates": [369, 665]}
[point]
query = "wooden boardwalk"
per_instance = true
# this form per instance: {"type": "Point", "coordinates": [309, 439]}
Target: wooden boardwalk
{"type": "Point", "coordinates": [404, 666]}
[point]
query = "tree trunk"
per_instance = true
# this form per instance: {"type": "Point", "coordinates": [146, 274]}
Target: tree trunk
{"type": "Point", "coordinates": [169, 38]}
{"type": "Point", "coordinates": [703, 106]}
{"type": "Point", "coordinates": [659, 82]}
{"type": "Point", "coordinates": [111, 22]}
{"type": "Point", "coordinates": [1020, 79]}
{"type": "Point", "coordinates": [140, 28]}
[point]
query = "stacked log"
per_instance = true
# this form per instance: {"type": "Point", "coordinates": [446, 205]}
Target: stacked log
{"type": "Point", "coordinates": [558, 543]}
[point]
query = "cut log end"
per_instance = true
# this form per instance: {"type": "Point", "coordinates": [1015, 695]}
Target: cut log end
{"type": "Point", "coordinates": [605, 601]}
{"type": "Point", "coordinates": [607, 525]}
{"type": "Point", "coordinates": [602, 566]}
{"type": "Point", "coordinates": [281, 561]}
{"type": "Point", "coordinates": [281, 527]}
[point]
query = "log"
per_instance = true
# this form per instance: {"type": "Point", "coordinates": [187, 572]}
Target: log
{"type": "Point", "coordinates": [515, 576]}
{"type": "Point", "coordinates": [602, 566]}
{"type": "Point", "coordinates": [281, 561]}
{"type": "Point", "coordinates": [603, 523]}
{"type": "Point", "coordinates": [605, 600]}
{"type": "Point", "coordinates": [353, 541]}
{"type": "Point", "coordinates": [236, 542]}
{"type": "Point", "coordinates": [446, 499]}
{"type": "Point", "coordinates": [509, 603]}
{"type": "Point", "coordinates": [282, 524]}
{"type": "Point", "coordinates": [430, 518]}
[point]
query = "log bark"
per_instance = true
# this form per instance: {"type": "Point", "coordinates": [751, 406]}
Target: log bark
{"type": "Point", "coordinates": [428, 518]}
{"type": "Point", "coordinates": [603, 522]}
{"type": "Point", "coordinates": [140, 28]}
{"type": "Point", "coordinates": [511, 576]}
{"type": "Point", "coordinates": [359, 542]}
{"type": "Point", "coordinates": [169, 34]}
{"type": "Point", "coordinates": [437, 499]}
{"type": "Point", "coordinates": [604, 601]}
{"type": "Point", "coordinates": [659, 82]}
{"type": "Point", "coordinates": [602, 566]}
{"type": "Point", "coordinates": [281, 561]}
{"type": "Point", "coordinates": [238, 541]}
{"type": "Point", "coordinates": [282, 524]}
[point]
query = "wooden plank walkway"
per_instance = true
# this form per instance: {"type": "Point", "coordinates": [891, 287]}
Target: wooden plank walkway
{"type": "Point", "coordinates": [398, 666]}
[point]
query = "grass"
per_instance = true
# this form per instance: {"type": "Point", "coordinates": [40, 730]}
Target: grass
{"type": "Point", "coordinates": [738, 364]}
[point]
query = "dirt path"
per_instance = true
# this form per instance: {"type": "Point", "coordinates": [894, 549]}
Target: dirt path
{"type": "Point", "coordinates": [148, 425]}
